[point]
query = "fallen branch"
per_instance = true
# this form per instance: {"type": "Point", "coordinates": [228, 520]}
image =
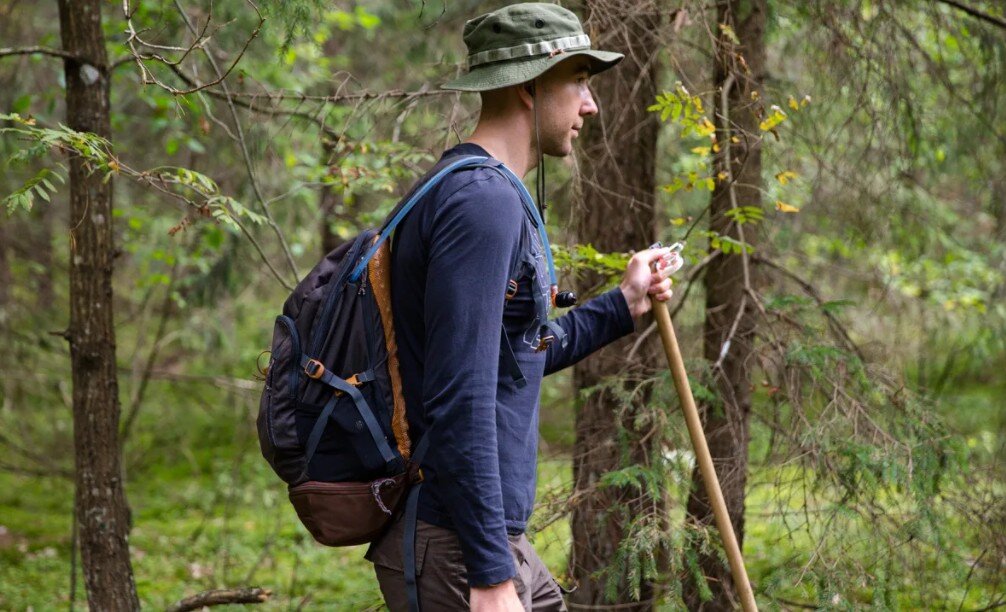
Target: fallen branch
{"type": "Point", "coordinates": [220, 597]}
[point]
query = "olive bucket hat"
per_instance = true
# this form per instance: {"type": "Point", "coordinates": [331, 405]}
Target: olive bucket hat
{"type": "Point", "coordinates": [517, 43]}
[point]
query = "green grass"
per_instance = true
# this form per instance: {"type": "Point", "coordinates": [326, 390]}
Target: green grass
{"type": "Point", "coordinates": [208, 513]}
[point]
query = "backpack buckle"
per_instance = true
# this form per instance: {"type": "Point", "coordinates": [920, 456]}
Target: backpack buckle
{"type": "Point", "coordinates": [511, 289]}
{"type": "Point", "coordinates": [544, 342]}
{"type": "Point", "coordinates": [314, 369]}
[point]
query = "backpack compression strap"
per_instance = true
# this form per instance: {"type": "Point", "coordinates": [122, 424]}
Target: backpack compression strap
{"type": "Point", "coordinates": [364, 410]}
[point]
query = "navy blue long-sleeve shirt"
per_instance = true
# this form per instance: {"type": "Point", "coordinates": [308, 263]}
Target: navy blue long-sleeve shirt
{"type": "Point", "coordinates": [453, 256]}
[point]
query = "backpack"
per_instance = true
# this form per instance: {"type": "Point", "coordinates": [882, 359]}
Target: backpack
{"type": "Point", "coordinates": [332, 421]}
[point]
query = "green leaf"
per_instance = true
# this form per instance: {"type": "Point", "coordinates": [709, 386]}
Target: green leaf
{"type": "Point", "coordinates": [21, 104]}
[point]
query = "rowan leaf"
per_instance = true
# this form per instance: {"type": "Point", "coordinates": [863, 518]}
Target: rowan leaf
{"type": "Point", "coordinates": [785, 176]}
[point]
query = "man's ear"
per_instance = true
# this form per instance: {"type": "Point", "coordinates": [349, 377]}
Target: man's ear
{"type": "Point", "coordinates": [526, 94]}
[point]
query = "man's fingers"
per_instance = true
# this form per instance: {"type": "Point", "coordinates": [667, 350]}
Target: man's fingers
{"type": "Point", "coordinates": [664, 261]}
{"type": "Point", "coordinates": [650, 256]}
{"type": "Point", "coordinates": [660, 287]}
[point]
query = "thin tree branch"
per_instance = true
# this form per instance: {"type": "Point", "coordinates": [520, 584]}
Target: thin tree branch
{"type": "Point", "coordinates": [996, 21]}
{"type": "Point", "coordinates": [148, 77]}
{"type": "Point", "coordinates": [241, 140]}
{"type": "Point", "coordinates": [9, 51]}
{"type": "Point", "coordinates": [233, 97]}
{"type": "Point", "coordinates": [136, 401]}
{"type": "Point", "coordinates": [809, 289]}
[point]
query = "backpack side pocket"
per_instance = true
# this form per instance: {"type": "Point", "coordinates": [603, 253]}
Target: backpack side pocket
{"type": "Point", "coordinates": [277, 425]}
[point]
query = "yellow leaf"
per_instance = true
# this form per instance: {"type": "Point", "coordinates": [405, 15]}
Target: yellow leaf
{"type": "Point", "coordinates": [723, 176]}
{"type": "Point", "coordinates": [729, 33]}
{"type": "Point", "coordinates": [792, 103]}
{"type": "Point", "coordinates": [785, 176]}
{"type": "Point", "coordinates": [805, 101]}
{"type": "Point", "coordinates": [773, 120]}
{"type": "Point", "coordinates": [716, 147]}
{"type": "Point", "coordinates": [786, 208]}
{"type": "Point", "coordinates": [755, 95]}
{"type": "Point", "coordinates": [113, 166]}
{"type": "Point", "coordinates": [734, 139]}
{"type": "Point", "coordinates": [705, 128]}
{"type": "Point", "coordinates": [701, 150]}
{"type": "Point", "coordinates": [679, 221]}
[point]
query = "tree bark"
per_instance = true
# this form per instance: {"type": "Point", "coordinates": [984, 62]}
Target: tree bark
{"type": "Point", "coordinates": [6, 277]}
{"type": "Point", "coordinates": [730, 314]}
{"type": "Point", "coordinates": [616, 213]}
{"type": "Point", "coordinates": [100, 502]}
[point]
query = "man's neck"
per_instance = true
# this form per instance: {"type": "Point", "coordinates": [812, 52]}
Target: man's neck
{"type": "Point", "coordinates": [509, 144]}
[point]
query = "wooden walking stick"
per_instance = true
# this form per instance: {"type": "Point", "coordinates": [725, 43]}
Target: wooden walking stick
{"type": "Point", "coordinates": [705, 461]}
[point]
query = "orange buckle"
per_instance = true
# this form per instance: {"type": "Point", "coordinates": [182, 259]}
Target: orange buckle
{"type": "Point", "coordinates": [544, 343]}
{"type": "Point", "coordinates": [353, 380]}
{"type": "Point", "coordinates": [314, 369]}
{"type": "Point", "coordinates": [511, 289]}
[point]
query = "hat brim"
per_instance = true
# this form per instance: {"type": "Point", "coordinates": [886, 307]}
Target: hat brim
{"type": "Point", "coordinates": [512, 72]}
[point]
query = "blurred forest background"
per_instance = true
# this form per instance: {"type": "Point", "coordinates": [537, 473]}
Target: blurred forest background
{"type": "Point", "coordinates": [170, 169]}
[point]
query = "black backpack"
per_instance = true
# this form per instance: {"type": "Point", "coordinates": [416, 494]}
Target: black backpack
{"type": "Point", "coordinates": [332, 420]}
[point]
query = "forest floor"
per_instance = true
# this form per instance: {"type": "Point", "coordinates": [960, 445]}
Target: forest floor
{"type": "Point", "coordinates": [209, 513]}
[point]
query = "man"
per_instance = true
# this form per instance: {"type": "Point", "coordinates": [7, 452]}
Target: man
{"type": "Point", "coordinates": [467, 258]}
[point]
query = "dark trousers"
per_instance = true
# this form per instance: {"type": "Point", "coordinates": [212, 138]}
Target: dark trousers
{"type": "Point", "coordinates": [441, 576]}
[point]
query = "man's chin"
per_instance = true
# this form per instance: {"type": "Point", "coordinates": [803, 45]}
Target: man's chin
{"type": "Point", "coordinates": [564, 151]}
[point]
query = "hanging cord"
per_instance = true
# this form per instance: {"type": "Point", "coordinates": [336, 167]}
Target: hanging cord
{"type": "Point", "coordinates": [562, 299]}
{"type": "Point", "coordinates": [539, 177]}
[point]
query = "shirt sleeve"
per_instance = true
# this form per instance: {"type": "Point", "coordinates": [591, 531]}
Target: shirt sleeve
{"type": "Point", "coordinates": [600, 321]}
{"type": "Point", "coordinates": [473, 243]}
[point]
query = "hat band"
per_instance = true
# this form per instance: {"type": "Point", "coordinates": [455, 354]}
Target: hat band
{"type": "Point", "coordinates": [581, 41]}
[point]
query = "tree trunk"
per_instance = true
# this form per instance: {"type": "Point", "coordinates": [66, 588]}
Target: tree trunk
{"type": "Point", "coordinates": [6, 277]}
{"type": "Point", "coordinates": [101, 510]}
{"type": "Point", "coordinates": [730, 314]}
{"type": "Point", "coordinates": [617, 213]}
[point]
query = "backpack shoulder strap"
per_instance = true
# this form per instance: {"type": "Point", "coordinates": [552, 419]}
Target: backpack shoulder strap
{"type": "Point", "coordinates": [532, 210]}
{"type": "Point", "coordinates": [431, 180]}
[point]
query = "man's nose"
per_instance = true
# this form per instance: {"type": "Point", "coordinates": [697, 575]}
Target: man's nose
{"type": "Point", "coordinates": [588, 107]}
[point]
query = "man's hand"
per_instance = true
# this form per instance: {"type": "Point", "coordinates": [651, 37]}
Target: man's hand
{"type": "Point", "coordinates": [641, 281]}
{"type": "Point", "coordinates": [499, 598]}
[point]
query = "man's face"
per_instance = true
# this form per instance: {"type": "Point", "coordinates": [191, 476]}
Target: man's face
{"type": "Point", "coordinates": [564, 101]}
